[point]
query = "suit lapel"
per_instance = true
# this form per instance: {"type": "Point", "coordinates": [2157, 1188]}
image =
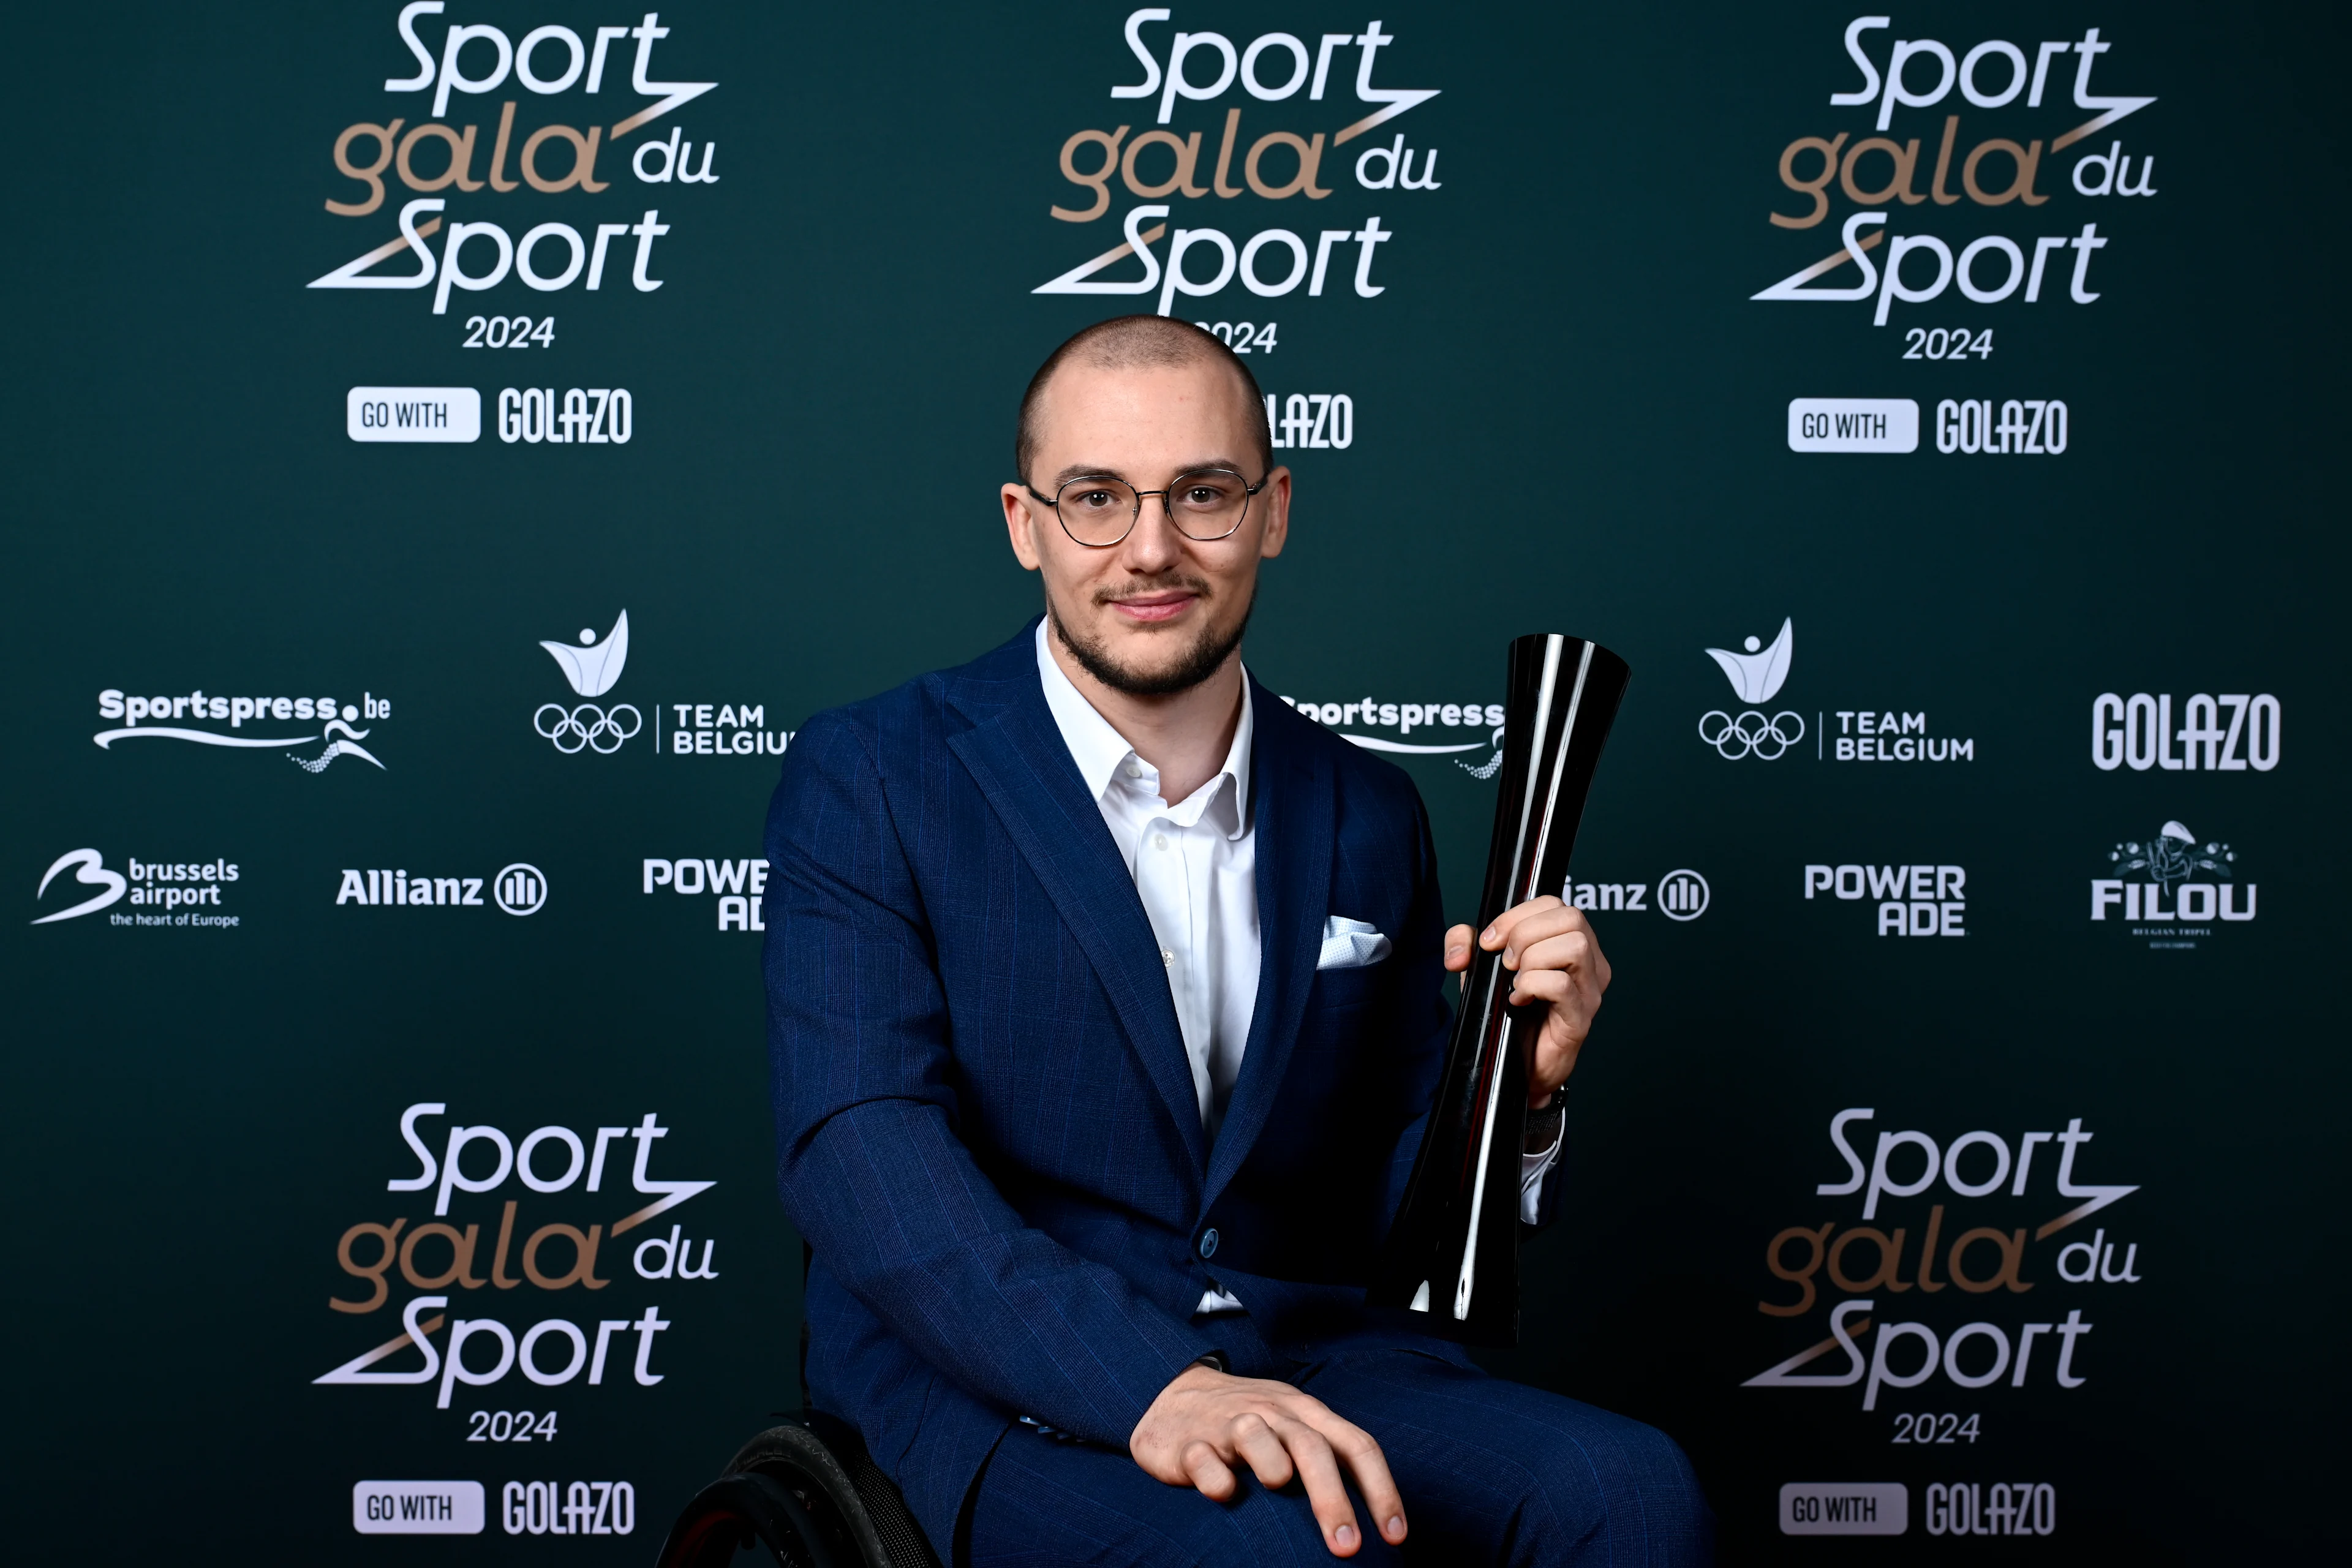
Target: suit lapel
{"type": "Point", "coordinates": [1016, 754]}
{"type": "Point", "coordinates": [1291, 805]}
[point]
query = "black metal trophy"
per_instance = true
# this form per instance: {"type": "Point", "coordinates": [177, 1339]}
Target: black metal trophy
{"type": "Point", "coordinates": [1453, 1255]}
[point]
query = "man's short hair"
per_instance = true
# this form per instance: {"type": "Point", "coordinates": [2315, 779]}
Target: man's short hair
{"type": "Point", "coordinates": [1132, 341]}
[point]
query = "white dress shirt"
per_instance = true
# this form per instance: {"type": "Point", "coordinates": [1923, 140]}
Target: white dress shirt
{"type": "Point", "coordinates": [1195, 867]}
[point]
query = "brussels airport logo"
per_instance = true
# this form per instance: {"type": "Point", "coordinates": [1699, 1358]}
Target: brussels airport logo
{"type": "Point", "coordinates": [562, 1172]}
{"type": "Point", "coordinates": [504, 177]}
{"type": "Point", "coordinates": [1187, 78]}
{"type": "Point", "coordinates": [1757, 675]}
{"type": "Point", "coordinates": [157, 893]}
{"type": "Point", "coordinates": [2043, 257]}
{"type": "Point", "coordinates": [1762, 733]}
{"type": "Point", "coordinates": [593, 668]}
{"type": "Point", "coordinates": [2027, 1306]}
{"type": "Point", "coordinates": [1361, 723]}
{"type": "Point", "coordinates": [519, 888]}
{"type": "Point", "coordinates": [196, 718]}
{"type": "Point", "coordinates": [2172, 889]}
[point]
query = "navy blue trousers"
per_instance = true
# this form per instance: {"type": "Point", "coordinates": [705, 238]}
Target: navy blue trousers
{"type": "Point", "coordinates": [1491, 1472]}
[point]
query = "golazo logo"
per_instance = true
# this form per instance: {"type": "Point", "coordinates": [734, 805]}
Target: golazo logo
{"type": "Point", "coordinates": [2138, 733]}
{"type": "Point", "coordinates": [1756, 676]}
{"type": "Point", "coordinates": [279, 713]}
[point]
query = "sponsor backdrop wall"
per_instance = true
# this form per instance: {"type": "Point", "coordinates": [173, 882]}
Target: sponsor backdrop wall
{"type": "Point", "coordinates": [450, 451]}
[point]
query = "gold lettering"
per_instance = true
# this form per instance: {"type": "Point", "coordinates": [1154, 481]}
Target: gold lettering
{"type": "Point", "coordinates": [498, 1274]}
{"type": "Point", "coordinates": [1188, 154]}
{"type": "Point", "coordinates": [1814, 187]}
{"type": "Point", "coordinates": [461, 1256]}
{"type": "Point", "coordinates": [1310, 154]}
{"type": "Point", "coordinates": [1944, 197]}
{"type": "Point", "coordinates": [499, 181]}
{"type": "Point", "coordinates": [373, 176]}
{"type": "Point", "coordinates": [386, 1236]}
{"type": "Point", "coordinates": [1226, 156]}
{"type": "Point", "coordinates": [2012, 1255]}
{"type": "Point", "coordinates": [584, 1258]}
{"type": "Point", "coordinates": [1905, 158]}
{"type": "Point", "coordinates": [461, 158]}
{"type": "Point", "coordinates": [1928, 1251]}
{"type": "Point", "coordinates": [1100, 181]}
{"type": "Point", "coordinates": [1890, 1261]}
{"type": "Point", "coordinates": [583, 159]}
{"type": "Point", "coordinates": [2028, 160]}
{"type": "Point", "coordinates": [1802, 1278]}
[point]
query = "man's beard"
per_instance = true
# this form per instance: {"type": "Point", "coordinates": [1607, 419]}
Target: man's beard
{"type": "Point", "coordinates": [1209, 651]}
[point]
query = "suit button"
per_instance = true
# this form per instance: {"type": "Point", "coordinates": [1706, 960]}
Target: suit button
{"type": "Point", "coordinates": [1209, 1242]}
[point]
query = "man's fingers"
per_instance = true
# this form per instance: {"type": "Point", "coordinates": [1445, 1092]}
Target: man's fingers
{"type": "Point", "coordinates": [1458, 948]}
{"type": "Point", "coordinates": [1254, 1441]}
{"type": "Point", "coordinates": [1499, 932]}
{"type": "Point", "coordinates": [1357, 1450]}
{"type": "Point", "coordinates": [1208, 1473]}
{"type": "Point", "coordinates": [1326, 1495]}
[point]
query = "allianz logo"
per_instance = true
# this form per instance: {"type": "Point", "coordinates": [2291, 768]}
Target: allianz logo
{"type": "Point", "coordinates": [1913, 900]}
{"type": "Point", "coordinates": [593, 668]}
{"type": "Point", "coordinates": [739, 885]}
{"type": "Point", "coordinates": [197, 718]}
{"type": "Point", "coordinates": [1682, 895]}
{"type": "Point", "coordinates": [519, 889]}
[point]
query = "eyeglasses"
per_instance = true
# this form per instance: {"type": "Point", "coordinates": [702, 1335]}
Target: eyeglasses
{"type": "Point", "coordinates": [1204, 505]}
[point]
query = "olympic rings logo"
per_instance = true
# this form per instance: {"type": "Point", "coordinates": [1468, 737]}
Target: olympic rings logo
{"type": "Point", "coordinates": [1751, 734]}
{"type": "Point", "coordinates": [586, 726]}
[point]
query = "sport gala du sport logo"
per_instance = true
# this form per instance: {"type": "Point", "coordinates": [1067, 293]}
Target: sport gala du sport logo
{"type": "Point", "coordinates": [1760, 732]}
{"type": "Point", "coordinates": [593, 668]}
{"type": "Point", "coordinates": [1298, 79]}
{"type": "Point", "coordinates": [518, 182]}
{"type": "Point", "coordinates": [1956, 165]}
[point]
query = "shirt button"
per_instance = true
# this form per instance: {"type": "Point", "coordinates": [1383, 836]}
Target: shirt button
{"type": "Point", "coordinates": [1167, 955]}
{"type": "Point", "coordinates": [1209, 1242]}
{"type": "Point", "coordinates": [1133, 770]}
{"type": "Point", "coordinates": [1160, 841]}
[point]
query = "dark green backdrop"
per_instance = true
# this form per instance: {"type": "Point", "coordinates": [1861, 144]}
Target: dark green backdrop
{"type": "Point", "coordinates": [1569, 414]}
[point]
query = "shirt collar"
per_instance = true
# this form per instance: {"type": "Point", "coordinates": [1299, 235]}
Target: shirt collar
{"type": "Point", "coordinates": [1099, 750]}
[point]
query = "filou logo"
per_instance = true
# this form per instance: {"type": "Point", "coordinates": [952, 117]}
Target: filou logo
{"type": "Point", "coordinates": [517, 889]}
{"type": "Point", "coordinates": [2171, 886]}
{"type": "Point", "coordinates": [2224, 735]}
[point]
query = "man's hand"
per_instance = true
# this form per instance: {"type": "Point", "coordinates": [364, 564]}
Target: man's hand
{"type": "Point", "coordinates": [1552, 951]}
{"type": "Point", "coordinates": [1206, 1422]}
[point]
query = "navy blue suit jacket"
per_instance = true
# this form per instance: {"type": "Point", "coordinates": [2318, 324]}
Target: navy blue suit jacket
{"type": "Point", "coordinates": [985, 1119]}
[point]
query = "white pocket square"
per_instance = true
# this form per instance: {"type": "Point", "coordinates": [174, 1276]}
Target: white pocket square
{"type": "Point", "coordinates": [1351, 944]}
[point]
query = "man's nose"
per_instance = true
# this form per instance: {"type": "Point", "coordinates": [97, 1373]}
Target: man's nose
{"type": "Point", "coordinates": [1153, 544]}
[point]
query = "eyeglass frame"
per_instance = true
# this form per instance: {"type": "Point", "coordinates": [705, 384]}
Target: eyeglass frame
{"type": "Point", "coordinates": [1249, 493]}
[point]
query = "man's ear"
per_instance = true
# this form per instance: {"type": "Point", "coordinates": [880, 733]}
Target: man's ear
{"type": "Point", "coordinates": [1021, 526]}
{"type": "Point", "coordinates": [1277, 497]}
